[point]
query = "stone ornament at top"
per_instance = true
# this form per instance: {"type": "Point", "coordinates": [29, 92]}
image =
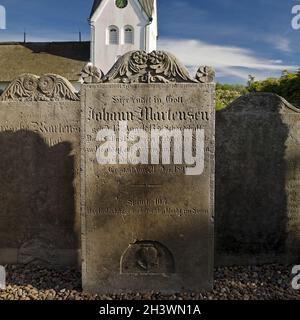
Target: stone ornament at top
{"type": "Point", "coordinates": [205, 74]}
{"type": "Point", "coordinates": [142, 67]}
{"type": "Point", "coordinates": [91, 74]}
{"type": "Point", "coordinates": [49, 87]}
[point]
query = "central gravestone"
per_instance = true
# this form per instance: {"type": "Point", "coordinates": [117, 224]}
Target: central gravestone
{"type": "Point", "coordinates": [148, 177]}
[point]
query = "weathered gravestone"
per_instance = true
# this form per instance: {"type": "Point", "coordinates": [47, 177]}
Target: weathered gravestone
{"type": "Point", "coordinates": [258, 181]}
{"type": "Point", "coordinates": [39, 171]}
{"type": "Point", "coordinates": [147, 222]}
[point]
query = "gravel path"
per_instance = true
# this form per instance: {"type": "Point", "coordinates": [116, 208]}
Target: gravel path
{"type": "Point", "coordinates": [237, 283]}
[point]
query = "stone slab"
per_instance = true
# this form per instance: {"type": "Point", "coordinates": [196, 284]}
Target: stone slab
{"type": "Point", "coordinates": [147, 226]}
{"type": "Point", "coordinates": [40, 177]}
{"type": "Point", "coordinates": [257, 181]}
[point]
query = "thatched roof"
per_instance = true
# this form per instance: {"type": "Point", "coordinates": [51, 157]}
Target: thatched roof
{"type": "Point", "coordinates": [64, 58]}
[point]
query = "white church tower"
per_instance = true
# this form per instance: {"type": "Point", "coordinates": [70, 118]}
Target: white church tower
{"type": "Point", "coordinates": [119, 26]}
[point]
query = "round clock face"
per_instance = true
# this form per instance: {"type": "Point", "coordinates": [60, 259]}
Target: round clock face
{"type": "Point", "coordinates": [121, 3]}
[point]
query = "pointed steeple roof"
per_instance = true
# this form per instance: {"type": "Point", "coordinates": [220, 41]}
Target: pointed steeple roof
{"type": "Point", "coordinates": [147, 5]}
{"type": "Point", "coordinates": [96, 4]}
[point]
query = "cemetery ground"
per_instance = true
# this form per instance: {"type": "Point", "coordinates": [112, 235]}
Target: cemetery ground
{"type": "Point", "coordinates": [267, 282]}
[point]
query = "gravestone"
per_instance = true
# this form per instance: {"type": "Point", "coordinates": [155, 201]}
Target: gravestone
{"type": "Point", "coordinates": [39, 171]}
{"type": "Point", "coordinates": [2, 278]}
{"type": "Point", "coordinates": [147, 204]}
{"type": "Point", "coordinates": [257, 181]}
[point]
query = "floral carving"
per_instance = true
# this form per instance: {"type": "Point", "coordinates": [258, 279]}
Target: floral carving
{"type": "Point", "coordinates": [140, 58]}
{"type": "Point", "coordinates": [156, 57]}
{"type": "Point", "coordinates": [30, 83]}
{"type": "Point", "coordinates": [46, 85]}
{"type": "Point", "coordinates": [205, 74]}
{"type": "Point", "coordinates": [142, 67]}
{"type": "Point", "coordinates": [49, 87]}
{"type": "Point", "coordinates": [91, 74]}
{"type": "Point", "coordinates": [144, 257]}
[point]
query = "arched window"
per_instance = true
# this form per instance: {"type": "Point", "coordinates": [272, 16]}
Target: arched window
{"type": "Point", "coordinates": [128, 35]}
{"type": "Point", "coordinates": [113, 33]}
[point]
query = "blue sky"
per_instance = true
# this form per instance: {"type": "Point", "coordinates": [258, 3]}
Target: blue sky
{"type": "Point", "coordinates": [237, 37]}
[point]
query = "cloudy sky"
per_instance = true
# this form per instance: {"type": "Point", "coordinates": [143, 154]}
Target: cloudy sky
{"type": "Point", "coordinates": [237, 37]}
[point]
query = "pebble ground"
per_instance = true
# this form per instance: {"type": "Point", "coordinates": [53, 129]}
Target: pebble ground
{"type": "Point", "coordinates": [269, 282]}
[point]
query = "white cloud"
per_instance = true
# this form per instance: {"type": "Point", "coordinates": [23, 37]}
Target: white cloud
{"type": "Point", "coordinates": [280, 43]}
{"type": "Point", "coordinates": [227, 60]}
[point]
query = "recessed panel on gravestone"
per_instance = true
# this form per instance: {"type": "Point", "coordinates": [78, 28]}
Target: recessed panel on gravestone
{"type": "Point", "coordinates": [39, 173]}
{"type": "Point", "coordinates": [147, 187]}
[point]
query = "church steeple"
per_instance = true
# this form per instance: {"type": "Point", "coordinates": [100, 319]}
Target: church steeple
{"type": "Point", "coordinates": [96, 4]}
{"type": "Point", "coordinates": [147, 5]}
{"type": "Point", "coordinates": [119, 26]}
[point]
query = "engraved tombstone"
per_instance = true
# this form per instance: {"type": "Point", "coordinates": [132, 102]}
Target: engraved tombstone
{"type": "Point", "coordinates": [257, 181]}
{"type": "Point", "coordinates": [148, 177]}
{"type": "Point", "coordinates": [39, 171]}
